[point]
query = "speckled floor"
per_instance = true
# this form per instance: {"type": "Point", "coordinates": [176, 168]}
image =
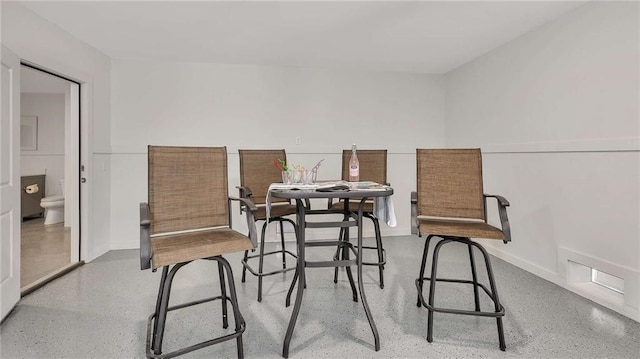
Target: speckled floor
{"type": "Point", "coordinates": [100, 311]}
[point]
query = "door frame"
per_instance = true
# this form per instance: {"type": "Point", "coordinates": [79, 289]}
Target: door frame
{"type": "Point", "coordinates": [84, 160]}
{"type": "Point", "coordinates": [73, 141]}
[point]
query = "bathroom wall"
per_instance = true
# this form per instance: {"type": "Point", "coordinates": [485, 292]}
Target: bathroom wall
{"type": "Point", "coordinates": [49, 157]}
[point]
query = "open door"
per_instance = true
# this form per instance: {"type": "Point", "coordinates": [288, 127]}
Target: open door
{"type": "Point", "coordinates": [50, 251]}
{"type": "Point", "coordinates": [9, 182]}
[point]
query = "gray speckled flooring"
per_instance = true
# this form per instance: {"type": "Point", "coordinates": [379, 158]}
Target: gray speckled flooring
{"type": "Point", "coordinates": [100, 311]}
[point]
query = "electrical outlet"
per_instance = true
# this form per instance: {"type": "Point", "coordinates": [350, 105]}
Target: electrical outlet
{"type": "Point", "coordinates": [298, 140]}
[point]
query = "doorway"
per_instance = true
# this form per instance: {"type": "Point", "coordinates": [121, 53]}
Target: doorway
{"type": "Point", "coordinates": [49, 158]}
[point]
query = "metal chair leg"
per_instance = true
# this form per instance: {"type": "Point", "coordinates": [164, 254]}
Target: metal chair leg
{"type": "Point", "coordinates": [239, 320]}
{"type": "Point", "coordinates": [223, 291]}
{"type": "Point", "coordinates": [494, 291]}
{"type": "Point", "coordinates": [164, 305]}
{"type": "Point", "coordinates": [259, 271]}
{"type": "Point", "coordinates": [155, 336]}
{"type": "Point", "coordinates": [165, 270]}
{"type": "Point", "coordinates": [261, 261]}
{"type": "Point", "coordinates": [336, 256]}
{"type": "Point", "coordinates": [244, 269]}
{"type": "Point", "coordinates": [474, 276]}
{"type": "Point", "coordinates": [423, 265]}
{"type": "Point", "coordinates": [432, 287]}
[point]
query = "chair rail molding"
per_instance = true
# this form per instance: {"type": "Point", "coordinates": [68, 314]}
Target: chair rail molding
{"type": "Point", "coordinates": [619, 144]}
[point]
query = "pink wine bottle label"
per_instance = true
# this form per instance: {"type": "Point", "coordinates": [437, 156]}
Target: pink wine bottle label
{"type": "Point", "coordinates": [354, 172]}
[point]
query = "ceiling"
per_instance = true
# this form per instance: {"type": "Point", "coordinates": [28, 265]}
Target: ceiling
{"type": "Point", "coordinates": [425, 37]}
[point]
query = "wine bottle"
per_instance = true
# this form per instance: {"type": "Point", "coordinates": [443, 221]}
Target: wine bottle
{"type": "Point", "coordinates": [354, 166]}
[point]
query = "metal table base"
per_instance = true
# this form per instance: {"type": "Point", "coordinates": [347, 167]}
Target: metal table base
{"type": "Point", "coordinates": [300, 197]}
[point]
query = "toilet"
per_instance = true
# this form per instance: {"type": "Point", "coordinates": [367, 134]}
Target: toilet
{"type": "Point", "coordinates": [54, 207]}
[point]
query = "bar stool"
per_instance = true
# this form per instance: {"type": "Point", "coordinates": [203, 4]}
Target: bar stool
{"type": "Point", "coordinates": [373, 167]}
{"type": "Point", "coordinates": [182, 223]}
{"type": "Point", "coordinates": [450, 205]}
{"type": "Point", "coordinates": [257, 172]}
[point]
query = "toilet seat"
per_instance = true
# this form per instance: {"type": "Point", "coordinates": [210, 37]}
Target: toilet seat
{"type": "Point", "coordinates": [52, 199]}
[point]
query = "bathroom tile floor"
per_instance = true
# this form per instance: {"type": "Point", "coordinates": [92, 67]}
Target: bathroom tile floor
{"type": "Point", "coordinates": [100, 310]}
{"type": "Point", "coordinates": [44, 249]}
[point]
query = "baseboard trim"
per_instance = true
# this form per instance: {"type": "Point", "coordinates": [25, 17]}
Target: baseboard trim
{"type": "Point", "coordinates": [557, 279]}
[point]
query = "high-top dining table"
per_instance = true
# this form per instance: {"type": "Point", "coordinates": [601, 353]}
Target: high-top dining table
{"type": "Point", "coordinates": [302, 194]}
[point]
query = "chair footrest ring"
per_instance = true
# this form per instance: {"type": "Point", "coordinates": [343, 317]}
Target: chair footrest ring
{"type": "Point", "coordinates": [384, 257]}
{"type": "Point", "coordinates": [193, 347]}
{"type": "Point", "coordinates": [419, 286]}
{"type": "Point", "coordinates": [258, 274]}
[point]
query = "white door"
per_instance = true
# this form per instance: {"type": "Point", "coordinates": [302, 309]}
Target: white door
{"type": "Point", "coordinates": [9, 182]}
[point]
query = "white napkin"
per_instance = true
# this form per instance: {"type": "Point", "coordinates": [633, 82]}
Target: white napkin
{"type": "Point", "coordinates": [382, 206]}
{"type": "Point", "coordinates": [281, 186]}
{"type": "Point", "coordinates": [383, 209]}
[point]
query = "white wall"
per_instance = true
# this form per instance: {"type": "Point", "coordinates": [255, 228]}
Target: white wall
{"type": "Point", "coordinates": [39, 42]}
{"type": "Point", "coordinates": [49, 157]}
{"type": "Point", "coordinates": [556, 114]}
{"type": "Point", "coordinates": [266, 107]}
{"type": "Point", "coordinates": [555, 111]}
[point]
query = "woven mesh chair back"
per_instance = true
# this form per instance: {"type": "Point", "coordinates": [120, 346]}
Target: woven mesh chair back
{"type": "Point", "coordinates": [257, 172]}
{"type": "Point", "coordinates": [373, 165]}
{"type": "Point", "coordinates": [187, 188]}
{"type": "Point", "coordinates": [450, 183]}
